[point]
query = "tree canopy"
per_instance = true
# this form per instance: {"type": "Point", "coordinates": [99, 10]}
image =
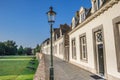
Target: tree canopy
{"type": "Point", "coordinates": [9, 47]}
{"type": "Point", "coordinates": [37, 48]}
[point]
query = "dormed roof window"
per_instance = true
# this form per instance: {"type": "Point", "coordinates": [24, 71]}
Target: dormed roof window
{"type": "Point", "coordinates": [82, 14]}
{"type": "Point", "coordinates": [75, 20]}
{"type": "Point", "coordinates": [96, 4]}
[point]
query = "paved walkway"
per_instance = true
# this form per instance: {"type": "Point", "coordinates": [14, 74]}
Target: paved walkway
{"type": "Point", "coordinates": [67, 71]}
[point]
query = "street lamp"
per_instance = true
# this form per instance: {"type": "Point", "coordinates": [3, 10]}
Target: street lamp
{"type": "Point", "coordinates": [51, 19]}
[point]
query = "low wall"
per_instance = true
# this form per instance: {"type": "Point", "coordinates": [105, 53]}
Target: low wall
{"type": "Point", "coordinates": [40, 72]}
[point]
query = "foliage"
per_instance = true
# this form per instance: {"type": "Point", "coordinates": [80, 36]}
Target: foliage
{"type": "Point", "coordinates": [25, 51]}
{"type": "Point", "coordinates": [37, 48]}
{"type": "Point", "coordinates": [21, 51]}
{"type": "Point", "coordinates": [2, 48]}
{"type": "Point", "coordinates": [8, 48]}
{"type": "Point", "coordinates": [28, 51]}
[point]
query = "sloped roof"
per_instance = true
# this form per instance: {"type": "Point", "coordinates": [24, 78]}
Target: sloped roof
{"type": "Point", "coordinates": [57, 31]}
{"type": "Point", "coordinates": [64, 28]}
{"type": "Point", "coordinates": [46, 40]}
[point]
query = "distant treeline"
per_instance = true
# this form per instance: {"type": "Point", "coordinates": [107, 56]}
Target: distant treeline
{"type": "Point", "coordinates": [10, 48]}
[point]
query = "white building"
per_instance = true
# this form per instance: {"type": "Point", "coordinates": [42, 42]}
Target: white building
{"type": "Point", "coordinates": [95, 41]}
{"type": "Point", "coordinates": [45, 46]}
{"type": "Point", "coordinates": [60, 42]}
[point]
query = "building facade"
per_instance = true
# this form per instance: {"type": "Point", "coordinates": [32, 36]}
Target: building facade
{"type": "Point", "coordinates": [60, 42]}
{"type": "Point", "coordinates": [45, 46]}
{"type": "Point", "coordinates": [93, 43]}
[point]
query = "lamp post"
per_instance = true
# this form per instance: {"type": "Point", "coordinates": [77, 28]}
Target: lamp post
{"type": "Point", "coordinates": [51, 19]}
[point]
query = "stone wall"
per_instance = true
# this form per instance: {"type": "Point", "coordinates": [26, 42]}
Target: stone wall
{"type": "Point", "coordinates": [40, 72]}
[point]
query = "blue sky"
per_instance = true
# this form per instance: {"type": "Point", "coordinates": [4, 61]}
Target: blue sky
{"type": "Point", "coordinates": [25, 21]}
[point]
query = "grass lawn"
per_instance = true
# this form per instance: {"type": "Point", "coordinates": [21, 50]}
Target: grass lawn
{"type": "Point", "coordinates": [14, 68]}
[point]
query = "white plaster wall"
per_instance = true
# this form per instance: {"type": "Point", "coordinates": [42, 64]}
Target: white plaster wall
{"type": "Point", "coordinates": [105, 19]}
{"type": "Point", "coordinates": [46, 49]}
{"type": "Point", "coordinates": [57, 42]}
{"type": "Point", "coordinates": [109, 40]}
{"type": "Point", "coordinates": [86, 29]}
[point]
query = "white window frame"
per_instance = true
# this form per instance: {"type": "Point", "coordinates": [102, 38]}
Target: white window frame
{"type": "Point", "coordinates": [61, 48]}
{"type": "Point", "coordinates": [83, 48]}
{"type": "Point", "coordinates": [74, 49]}
{"type": "Point", "coordinates": [82, 17]}
{"type": "Point", "coordinates": [116, 23]}
{"type": "Point", "coordinates": [55, 49]}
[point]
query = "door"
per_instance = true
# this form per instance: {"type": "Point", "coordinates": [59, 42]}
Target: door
{"type": "Point", "coordinates": [99, 51]}
{"type": "Point", "coordinates": [66, 53]}
{"type": "Point", "coordinates": [101, 59]}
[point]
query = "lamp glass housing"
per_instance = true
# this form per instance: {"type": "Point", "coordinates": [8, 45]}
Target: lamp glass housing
{"type": "Point", "coordinates": [51, 15]}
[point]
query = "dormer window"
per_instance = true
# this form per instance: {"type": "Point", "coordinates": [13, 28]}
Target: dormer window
{"type": "Point", "coordinates": [96, 4]}
{"type": "Point", "coordinates": [56, 36]}
{"type": "Point", "coordinates": [82, 14]}
{"type": "Point", "coordinates": [60, 32]}
{"type": "Point", "coordinates": [82, 17]}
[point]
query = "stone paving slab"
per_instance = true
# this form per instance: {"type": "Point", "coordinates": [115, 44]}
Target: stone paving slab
{"type": "Point", "coordinates": [66, 71]}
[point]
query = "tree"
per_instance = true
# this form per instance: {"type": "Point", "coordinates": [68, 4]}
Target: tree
{"type": "Point", "coordinates": [11, 47]}
{"type": "Point", "coordinates": [21, 51]}
{"type": "Point", "coordinates": [2, 48]}
{"type": "Point", "coordinates": [28, 51]}
{"type": "Point", "coordinates": [37, 48]}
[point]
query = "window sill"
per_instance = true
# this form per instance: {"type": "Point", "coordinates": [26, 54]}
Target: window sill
{"type": "Point", "coordinates": [84, 60]}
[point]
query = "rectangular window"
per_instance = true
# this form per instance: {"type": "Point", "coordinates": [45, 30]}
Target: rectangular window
{"type": "Point", "coordinates": [83, 48]}
{"type": "Point", "coordinates": [61, 48]}
{"type": "Point", "coordinates": [118, 53]}
{"type": "Point", "coordinates": [82, 17]}
{"type": "Point", "coordinates": [116, 27]}
{"type": "Point", "coordinates": [55, 49]}
{"type": "Point", "coordinates": [73, 49]}
{"type": "Point", "coordinates": [98, 4]}
{"type": "Point", "coordinates": [119, 29]}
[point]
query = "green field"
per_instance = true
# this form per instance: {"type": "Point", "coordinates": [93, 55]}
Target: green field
{"type": "Point", "coordinates": [15, 68]}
